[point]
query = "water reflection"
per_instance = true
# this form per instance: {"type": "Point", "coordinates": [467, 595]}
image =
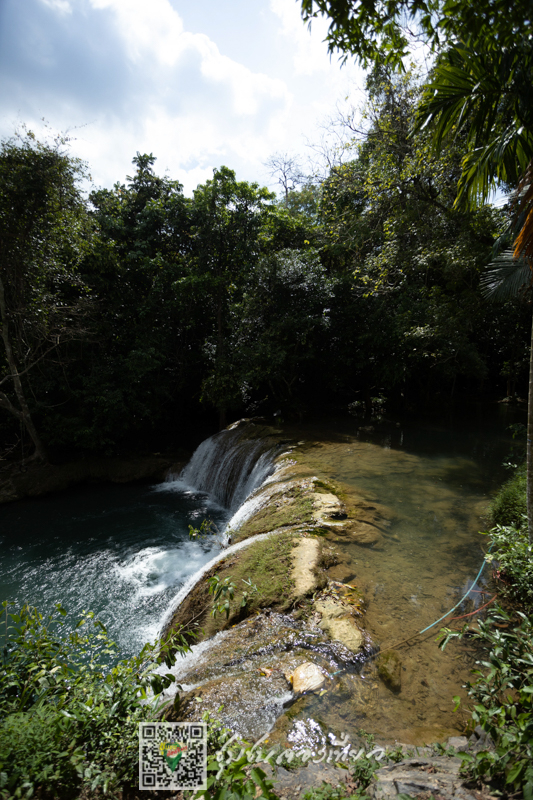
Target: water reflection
{"type": "Point", "coordinates": [435, 485]}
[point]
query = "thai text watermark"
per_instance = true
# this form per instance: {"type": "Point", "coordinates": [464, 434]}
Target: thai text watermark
{"type": "Point", "coordinates": [340, 750]}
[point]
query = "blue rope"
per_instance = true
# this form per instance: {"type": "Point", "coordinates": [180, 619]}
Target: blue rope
{"type": "Point", "coordinates": [445, 615]}
{"type": "Point", "coordinates": [460, 601]}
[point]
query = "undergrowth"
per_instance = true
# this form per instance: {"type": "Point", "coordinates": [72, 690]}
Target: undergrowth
{"type": "Point", "coordinates": [69, 709]}
{"type": "Point", "coordinates": [509, 505]}
{"type": "Point", "coordinates": [268, 564]}
{"type": "Point", "coordinates": [502, 694]}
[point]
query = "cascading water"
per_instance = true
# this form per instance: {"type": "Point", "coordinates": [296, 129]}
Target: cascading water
{"type": "Point", "coordinates": [231, 464]}
{"type": "Point", "coordinates": [124, 551]}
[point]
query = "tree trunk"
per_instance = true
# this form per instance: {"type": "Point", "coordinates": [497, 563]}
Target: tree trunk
{"type": "Point", "coordinates": [529, 492]}
{"type": "Point", "coordinates": [222, 422]}
{"type": "Point", "coordinates": [23, 413]}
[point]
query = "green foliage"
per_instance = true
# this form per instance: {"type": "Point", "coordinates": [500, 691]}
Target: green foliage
{"type": "Point", "coordinates": [503, 703]}
{"type": "Point", "coordinates": [329, 792]}
{"type": "Point", "coordinates": [509, 505]}
{"type": "Point", "coordinates": [381, 31]}
{"type": "Point", "coordinates": [223, 594]}
{"type": "Point", "coordinates": [512, 556]}
{"type": "Point", "coordinates": [43, 234]}
{"type": "Point", "coordinates": [280, 325]}
{"type": "Point", "coordinates": [241, 778]}
{"type": "Point", "coordinates": [207, 529]}
{"type": "Point", "coordinates": [412, 313]}
{"type": "Point", "coordinates": [69, 709]}
{"type": "Point", "coordinates": [480, 94]}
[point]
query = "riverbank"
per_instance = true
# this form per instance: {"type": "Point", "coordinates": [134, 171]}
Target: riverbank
{"type": "Point", "coordinates": [35, 479]}
{"type": "Point", "coordinates": [349, 537]}
{"type": "Point", "coordinates": [310, 545]}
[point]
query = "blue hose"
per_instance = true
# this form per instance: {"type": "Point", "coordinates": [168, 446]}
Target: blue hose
{"type": "Point", "coordinates": [460, 601]}
{"type": "Point", "coordinates": [445, 615]}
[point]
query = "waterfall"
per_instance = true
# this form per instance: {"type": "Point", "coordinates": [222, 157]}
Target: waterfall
{"type": "Point", "coordinates": [229, 466]}
{"type": "Point", "coordinates": [232, 463]}
{"type": "Point", "coordinates": [199, 574]}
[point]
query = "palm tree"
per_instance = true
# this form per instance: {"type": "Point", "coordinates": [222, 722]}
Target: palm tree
{"type": "Point", "coordinates": [484, 97]}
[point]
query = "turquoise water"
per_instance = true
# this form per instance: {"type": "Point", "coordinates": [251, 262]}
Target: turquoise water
{"type": "Point", "coordinates": [120, 551]}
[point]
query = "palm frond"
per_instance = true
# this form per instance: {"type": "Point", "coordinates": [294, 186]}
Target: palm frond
{"type": "Point", "coordinates": [481, 97]}
{"type": "Point", "coordinates": [503, 159]}
{"type": "Point", "coordinates": [506, 277]}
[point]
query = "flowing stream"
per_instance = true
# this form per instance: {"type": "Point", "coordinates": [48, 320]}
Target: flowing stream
{"type": "Point", "coordinates": [436, 482]}
{"type": "Point", "coordinates": [125, 553]}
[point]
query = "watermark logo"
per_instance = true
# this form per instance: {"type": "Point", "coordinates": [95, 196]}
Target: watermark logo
{"type": "Point", "coordinates": [172, 755]}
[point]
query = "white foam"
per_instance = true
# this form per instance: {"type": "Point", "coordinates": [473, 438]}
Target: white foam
{"type": "Point", "coordinates": [194, 579]}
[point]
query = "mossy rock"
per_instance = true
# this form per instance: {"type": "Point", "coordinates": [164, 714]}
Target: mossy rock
{"type": "Point", "coordinates": [389, 666]}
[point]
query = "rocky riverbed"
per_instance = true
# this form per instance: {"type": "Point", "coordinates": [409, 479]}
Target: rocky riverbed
{"type": "Point", "coordinates": [296, 650]}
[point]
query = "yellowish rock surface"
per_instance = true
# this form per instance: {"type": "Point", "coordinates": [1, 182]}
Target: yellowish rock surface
{"type": "Point", "coordinates": [304, 558]}
{"type": "Point", "coordinates": [307, 678]}
{"type": "Point", "coordinates": [338, 623]}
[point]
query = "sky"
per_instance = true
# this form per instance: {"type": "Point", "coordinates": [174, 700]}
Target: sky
{"type": "Point", "coordinates": [198, 83]}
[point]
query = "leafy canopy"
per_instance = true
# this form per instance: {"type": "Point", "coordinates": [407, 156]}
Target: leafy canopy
{"type": "Point", "coordinates": [483, 96]}
{"type": "Point", "coordinates": [380, 30]}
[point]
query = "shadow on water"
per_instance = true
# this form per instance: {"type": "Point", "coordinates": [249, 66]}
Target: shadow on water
{"type": "Point", "coordinates": [435, 483]}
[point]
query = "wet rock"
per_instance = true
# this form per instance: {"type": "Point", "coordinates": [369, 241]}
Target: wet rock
{"type": "Point", "coordinates": [328, 558]}
{"type": "Point", "coordinates": [341, 572]}
{"type": "Point", "coordinates": [305, 558]}
{"type": "Point", "coordinates": [390, 670]}
{"type": "Point", "coordinates": [307, 678]}
{"type": "Point", "coordinates": [459, 743]}
{"type": "Point", "coordinates": [328, 511]}
{"type": "Point", "coordinates": [436, 777]}
{"type": "Point", "coordinates": [289, 783]}
{"type": "Point", "coordinates": [248, 704]}
{"type": "Point", "coordinates": [339, 624]}
{"type": "Point", "coordinates": [243, 671]}
{"type": "Point", "coordinates": [364, 533]}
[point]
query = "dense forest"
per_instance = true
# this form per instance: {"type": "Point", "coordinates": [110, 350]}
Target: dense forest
{"type": "Point", "coordinates": [132, 313]}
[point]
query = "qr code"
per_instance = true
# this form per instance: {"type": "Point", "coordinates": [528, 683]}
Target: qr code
{"type": "Point", "coordinates": [172, 755]}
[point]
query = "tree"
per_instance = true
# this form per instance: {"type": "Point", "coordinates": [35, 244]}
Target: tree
{"type": "Point", "coordinates": [227, 216]}
{"type": "Point", "coordinates": [381, 30]}
{"type": "Point", "coordinates": [287, 170]}
{"type": "Point", "coordinates": [406, 321]}
{"type": "Point", "coordinates": [42, 227]}
{"type": "Point", "coordinates": [280, 328]}
{"type": "Point", "coordinates": [484, 96]}
{"type": "Point", "coordinates": [141, 358]}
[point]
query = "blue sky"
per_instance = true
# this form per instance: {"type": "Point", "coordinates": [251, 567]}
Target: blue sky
{"type": "Point", "coordinates": [198, 83]}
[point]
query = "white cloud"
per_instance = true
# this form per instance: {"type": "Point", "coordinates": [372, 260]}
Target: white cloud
{"type": "Point", "coordinates": [137, 77]}
{"type": "Point", "coordinates": [150, 29]}
{"type": "Point", "coordinates": [63, 6]}
{"type": "Point", "coordinates": [309, 50]}
{"type": "Point", "coordinates": [154, 32]}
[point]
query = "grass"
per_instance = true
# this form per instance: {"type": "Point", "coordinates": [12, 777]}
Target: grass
{"type": "Point", "coordinates": [293, 507]}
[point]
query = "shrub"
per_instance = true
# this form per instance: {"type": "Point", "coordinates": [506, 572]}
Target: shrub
{"type": "Point", "coordinates": [503, 704]}
{"type": "Point", "coordinates": [512, 559]}
{"type": "Point", "coordinates": [509, 505]}
{"type": "Point", "coordinates": [69, 709]}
